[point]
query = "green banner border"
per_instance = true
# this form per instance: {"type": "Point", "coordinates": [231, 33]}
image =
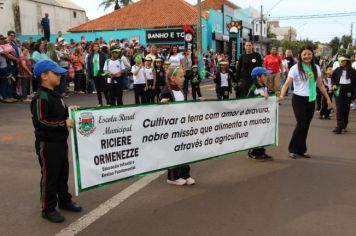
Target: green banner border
{"type": "Point", "coordinates": [78, 180]}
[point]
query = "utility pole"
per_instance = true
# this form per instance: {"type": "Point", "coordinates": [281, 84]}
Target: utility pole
{"type": "Point", "coordinates": [352, 28]}
{"type": "Point", "coordinates": [199, 37]}
{"type": "Point", "coordinates": [261, 23]}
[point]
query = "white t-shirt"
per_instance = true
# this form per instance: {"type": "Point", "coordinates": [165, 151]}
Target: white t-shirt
{"type": "Point", "coordinates": [343, 79]}
{"type": "Point", "coordinates": [336, 65]}
{"type": "Point", "coordinates": [175, 59]}
{"type": "Point", "coordinates": [224, 80]}
{"type": "Point", "coordinates": [301, 86]}
{"type": "Point", "coordinates": [139, 78]}
{"type": "Point", "coordinates": [114, 67]}
{"type": "Point", "coordinates": [354, 65]}
{"type": "Point", "coordinates": [178, 96]}
{"type": "Point", "coordinates": [149, 73]}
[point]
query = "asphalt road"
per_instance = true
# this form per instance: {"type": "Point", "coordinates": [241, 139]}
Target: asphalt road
{"type": "Point", "coordinates": [233, 195]}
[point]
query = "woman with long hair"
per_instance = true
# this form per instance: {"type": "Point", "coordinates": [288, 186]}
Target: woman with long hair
{"type": "Point", "coordinates": [95, 63]}
{"type": "Point", "coordinates": [176, 58]}
{"type": "Point", "coordinates": [344, 85]}
{"type": "Point", "coordinates": [305, 75]}
{"type": "Point", "coordinates": [77, 60]}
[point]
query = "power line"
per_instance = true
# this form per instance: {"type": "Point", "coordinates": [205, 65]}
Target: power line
{"type": "Point", "coordinates": [330, 15]}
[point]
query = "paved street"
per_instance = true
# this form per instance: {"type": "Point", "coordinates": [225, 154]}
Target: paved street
{"type": "Point", "coordinates": [233, 195]}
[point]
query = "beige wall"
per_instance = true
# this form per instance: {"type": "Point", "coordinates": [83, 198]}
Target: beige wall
{"type": "Point", "coordinates": [6, 18]}
{"type": "Point", "coordinates": [31, 14]}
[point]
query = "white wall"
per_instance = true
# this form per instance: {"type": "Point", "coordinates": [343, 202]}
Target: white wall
{"type": "Point", "coordinates": [60, 18]}
{"type": "Point", "coordinates": [6, 18]}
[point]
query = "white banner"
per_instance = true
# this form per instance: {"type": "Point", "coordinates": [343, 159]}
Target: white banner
{"type": "Point", "coordinates": [116, 143]}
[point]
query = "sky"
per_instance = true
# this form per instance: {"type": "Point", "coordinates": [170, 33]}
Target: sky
{"type": "Point", "coordinates": [322, 29]}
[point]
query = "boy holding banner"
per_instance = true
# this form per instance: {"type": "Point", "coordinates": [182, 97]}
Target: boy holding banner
{"type": "Point", "coordinates": [51, 122]}
{"type": "Point", "coordinates": [172, 93]}
{"type": "Point", "coordinates": [259, 88]}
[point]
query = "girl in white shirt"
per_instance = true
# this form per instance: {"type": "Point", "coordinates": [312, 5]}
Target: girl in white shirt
{"type": "Point", "coordinates": [151, 80]}
{"type": "Point", "coordinates": [140, 82]}
{"type": "Point", "coordinates": [305, 76]}
{"type": "Point", "coordinates": [175, 58]}
{"type": "Point", "coordinates": [172, 93]}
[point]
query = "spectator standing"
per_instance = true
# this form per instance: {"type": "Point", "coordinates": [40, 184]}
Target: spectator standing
{"type": "Point", "coordinates": [273, 62]}
{"type": "Point", "coordinates": [45, 22]}
{"type": "Point", "coordinates": [25, 74]}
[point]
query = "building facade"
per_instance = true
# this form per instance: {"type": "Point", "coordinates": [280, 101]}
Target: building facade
{"type": "Point", "coordinates": [282, 33]}
{"type": "Point", "coordinates": [24, 16]}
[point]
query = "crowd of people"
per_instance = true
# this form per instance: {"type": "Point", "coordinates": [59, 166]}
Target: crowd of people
{"type": "Point", "coordinates": [108, 68]}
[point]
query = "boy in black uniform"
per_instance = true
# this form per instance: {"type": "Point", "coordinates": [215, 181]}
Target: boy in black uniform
{"type": "Point", "coordinates": [258, 89]}
{"type": "Point", "coordinates": [195, 80]}
{"type": "Point", "coordinates": [51, 122]}
{"type": "Point", "coordinates": [223, 81]}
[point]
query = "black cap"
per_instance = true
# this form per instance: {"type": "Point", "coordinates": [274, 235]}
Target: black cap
{"type": "Point", "coordinates": [2, 36]}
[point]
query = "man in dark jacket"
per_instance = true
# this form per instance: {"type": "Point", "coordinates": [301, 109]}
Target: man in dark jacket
{"type": "Point", "coordinates": [46, 27]}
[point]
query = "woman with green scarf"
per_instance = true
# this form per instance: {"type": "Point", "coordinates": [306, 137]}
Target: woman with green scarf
{"type": "Point", "coordinates": [305, 76]}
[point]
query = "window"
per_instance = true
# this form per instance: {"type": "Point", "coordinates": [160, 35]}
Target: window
{"type": "Point", "coordinates": [74, 14]}
{"type": "Point", "coordinates": [256, 28]}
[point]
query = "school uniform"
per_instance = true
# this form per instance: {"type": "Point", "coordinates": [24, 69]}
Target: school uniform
{"type": "Point", "coordinates": [182, 172]}
{"type": "Point", "coordinates": [115, 84]}
{"type": "Point", "coordinates": [257, 90]}
{"type": "Point", "coordinates": [149, 72]}
{"type": "Point", "coordinates": [325, 112]}
{"type": "Point", "coordinates": [160, 81]}
{"type": "Point", "coordinates": [195, 81]}
{"type": "Point", "coordinates": [139, 85]}
{"type": "Point", "coordinates": [345, 93]}
{"type": "Point", "coordinates": [223, 85]}
{"type": "Point", "coordinates": [49, 115]}
{"type": "Point", "coordinates": [303, 108]}
{"type": "Point", "coordinates": [95, 65]}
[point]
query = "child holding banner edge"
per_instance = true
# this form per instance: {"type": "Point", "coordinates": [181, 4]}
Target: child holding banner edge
{"type": "Point", "coordinates": [259, 88]}
{"type": "Point", "coordinates": [51, 121]}
{"type": "Point", "coordinates": [172, 93]}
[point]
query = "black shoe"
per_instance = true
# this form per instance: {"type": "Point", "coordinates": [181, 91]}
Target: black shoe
{"type": "Point", "coordinates": [293, 155]}
{"type": "Point", "coordinates": [345, 130]}
{"type": "Point", "coordinates": [268, 157]}
{"type": "Point", "coordinates": [53, 216]}
{"type": "Point", "coordinates": [337, 130]}
{"type": "Point", "coordinates": [304, 155]}
{"type": "Point", "coordinates": [70, 206]}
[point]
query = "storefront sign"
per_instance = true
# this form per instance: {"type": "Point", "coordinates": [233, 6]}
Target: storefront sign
{"type": "Point", "coordinates": [169, 35]}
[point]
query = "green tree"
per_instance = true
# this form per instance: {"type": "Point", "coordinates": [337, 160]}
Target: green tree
{"type": "Point", "coordinates": [335, 45]}
{"type": "Point", "coordinates": [346, 41]}
{"type": "Point", "coordinates": [117, 3]}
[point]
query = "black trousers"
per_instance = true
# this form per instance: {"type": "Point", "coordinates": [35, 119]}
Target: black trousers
{"type": "Point", "coordinates": [158, 91]}
{"type": "Point", "coordinates": [343, 102]}
{"type": "Point", "coordinates": [324, 106]}
{"type": "Point", "coordinates": [179, 172]}
{"type": "Point", "coordinates": [186, 85]}
{"type": "Point", "coordinates": [222, 93]}
{"type": "Point", "coordinates": [140, 96]}
{"type": "Point", "coordinates": [243, 88]}
{"type": "Point", "coordinates": [150, 95]}
{"type": "Point", "coordinates": [53, 159]}
{"type": "Point", "coordinates": [79, 81]}
{"type": "Point", "coordinates": [47, 34]}
{"type": "Point", "coordinates": [101, 87]}
{"type": "Point", "coordinates": [116, 93]}
{"type": "Point", "coordinates": [195, 91]}
{"type": "Point", "coordinates": [304, 112]}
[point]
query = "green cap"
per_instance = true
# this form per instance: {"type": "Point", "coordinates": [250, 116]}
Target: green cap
{"type": "Point", "coordinates": [158, 59]}
{"type": "Point", "coordinates": [223, 63]}
{"type": "Point", "coordinates": [167, 62]}
{"type": "Point", "coordinates": [195, 66]}
{"type": "Point", "coordinates": [138, 58]}
{"type": "Point", "coordinates": [116, 50]}
{"type": "Point", "coordinates": [148, 58]}
{"type": "Point", "coordinates": [342, 58]}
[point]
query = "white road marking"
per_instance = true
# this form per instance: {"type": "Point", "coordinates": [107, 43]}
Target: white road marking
{"type": "Point", "coordinates": [86, 220]}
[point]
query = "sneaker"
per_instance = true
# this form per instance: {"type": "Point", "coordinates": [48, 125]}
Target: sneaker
{"type": "Point", "coordinates": [94, 92]}
{"type": "Point", "coordinates": [178, 182]}
{"type": "Point", "coordinates": [27, 100]}
{"type": "Point", "coordinates": [53, 216]}
{"type": "Point", "coordinates": [13, 99]}
{"type": "Point", "coordinates": [293, 155]}
{"type": "Point", "coordinates": [7, 100]}
{"type": "Point", "coordinates": [337, 130]}
{"type": "Point", "coordinates": [190, 181]}
{"type": "Point", "coordinates": [304, 155]}
{"type": "Point", "coordinates": [70, 206]}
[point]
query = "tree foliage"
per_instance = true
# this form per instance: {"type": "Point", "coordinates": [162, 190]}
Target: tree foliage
{"type": "Point", "coordinates": [116, 3]}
